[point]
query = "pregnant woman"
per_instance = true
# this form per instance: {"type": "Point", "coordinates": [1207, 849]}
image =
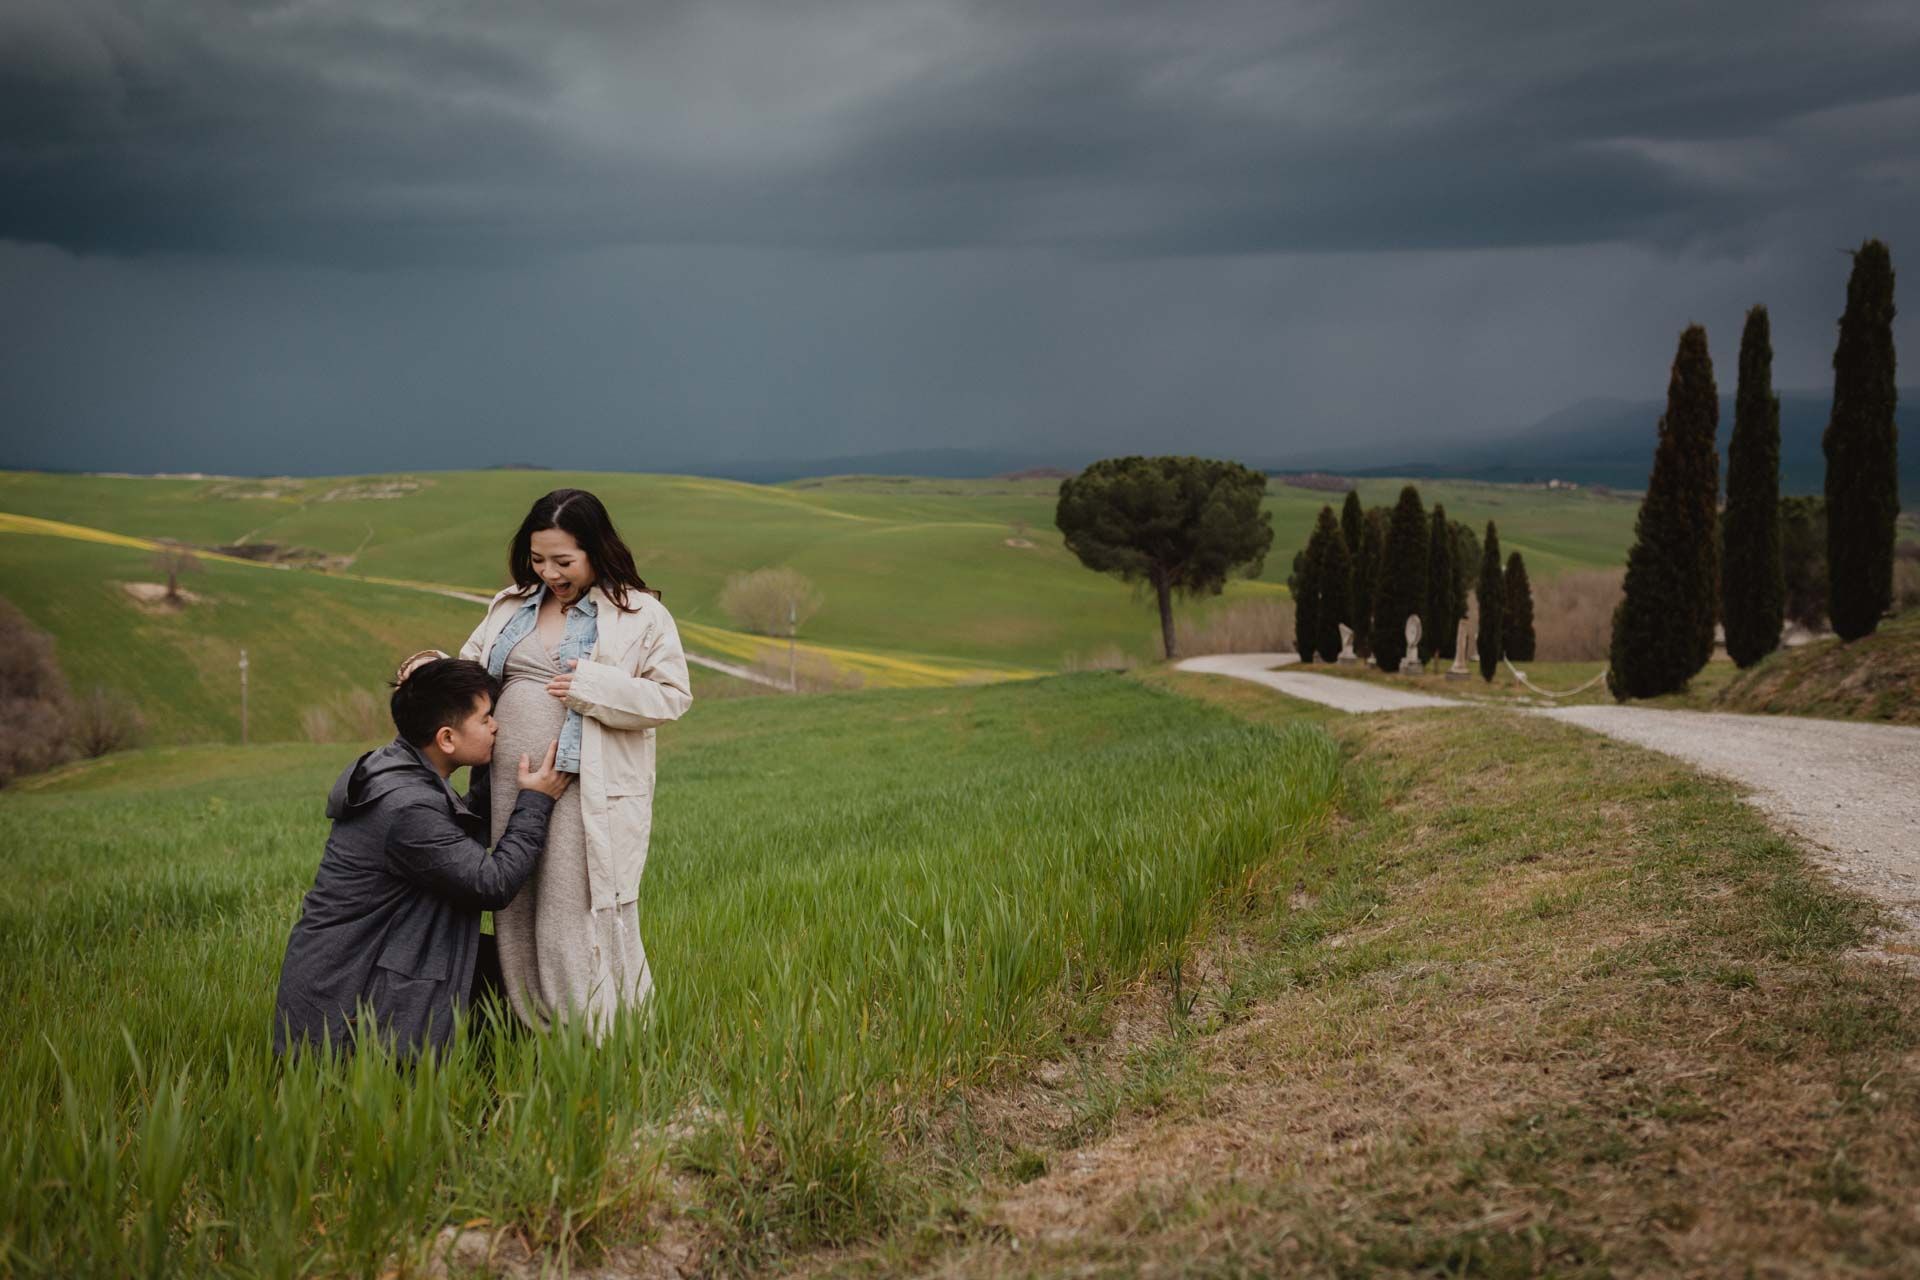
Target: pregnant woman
{"type": "Point", "coordinates": [589, 656]}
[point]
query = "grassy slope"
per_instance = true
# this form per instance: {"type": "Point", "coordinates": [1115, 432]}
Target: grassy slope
{"type": "Point", "coordinates": [309, 639]}
{"type": "Point", "coordinates": [1475, 1031]}
{"type": "Point", "coordinates": [1486, 1033]}
{"type": "Point", "coordinates": [1874, 678]}
{"type": "Point", "coordinates": [917, 567]}
{"type": "Point", "coordinates": [852, 904]}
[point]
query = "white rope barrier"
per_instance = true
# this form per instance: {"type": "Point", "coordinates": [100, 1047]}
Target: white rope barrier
{"type": "Point", "coordinates": [1548, 693]}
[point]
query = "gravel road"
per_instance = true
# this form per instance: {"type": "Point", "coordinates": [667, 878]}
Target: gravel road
{"type": "Point", "coordinates": [1332, 691]}
{"type": "Point", "coordinates": [1851, 791]}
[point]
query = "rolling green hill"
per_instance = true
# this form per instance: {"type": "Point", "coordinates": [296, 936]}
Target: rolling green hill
{"type": "Point", "coordinates": [925, 581]}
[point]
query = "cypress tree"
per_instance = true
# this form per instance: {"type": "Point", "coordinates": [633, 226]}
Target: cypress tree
{"type": "Point", "coordinates": [1803, 558]}
{"type": "Point", "coordinates": [1334, 575]}
{"type": "Point", "coordinates": [1466, 573]}
{"type": "Point", "coordinates": [1437, 621]}
{"type": "Point", "coordinates": [1402, 587]}
{"type": "Point", "coordinates": [1663, 626]}
{"type": "Point", "coordinates": [1752, 585]}
{"type": "Point", "coordinates": [1366, 578]}
{"type": "Point", "coordinates": [1493, 604]}
{"type": "Point", "coordinates": [1353, 520]}
{"type": "Point", "coordinates": [1304, 584]}
{"type": "Point", "coordinates": [1516, 628]}
{"type": "Point", "coordinates": [1863, 489]}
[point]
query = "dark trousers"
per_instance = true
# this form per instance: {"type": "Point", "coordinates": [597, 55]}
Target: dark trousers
{"type": "Point", "coordinates": [488, 981]}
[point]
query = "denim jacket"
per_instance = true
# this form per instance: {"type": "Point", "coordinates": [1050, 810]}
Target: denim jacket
{"type": "Point", "coordinates": [583, 631]}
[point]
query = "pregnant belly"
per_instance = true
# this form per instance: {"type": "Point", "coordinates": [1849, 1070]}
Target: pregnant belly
{"type": "Point", "coordinates": [526, 711]}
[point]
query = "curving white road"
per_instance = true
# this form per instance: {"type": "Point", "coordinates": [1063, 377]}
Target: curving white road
{"type": "Point", "coordinates": [1850, 790]}
{"type": "Point", "coordinates": [1333, 691]}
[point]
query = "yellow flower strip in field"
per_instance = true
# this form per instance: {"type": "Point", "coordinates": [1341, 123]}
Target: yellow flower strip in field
{"type": "Point", "coordinates": [34, 525]}
{"type": "Point", "coordinates": [882, 670]}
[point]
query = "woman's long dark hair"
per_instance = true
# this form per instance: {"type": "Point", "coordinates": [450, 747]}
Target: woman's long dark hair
{"type": "Point", "coordinates": [579, 513]}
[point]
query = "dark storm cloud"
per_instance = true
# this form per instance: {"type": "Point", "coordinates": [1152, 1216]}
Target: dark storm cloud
{"type": "Point", "coordinates": [383, 131]}
{"type": "Point", "coordinates": [348, 235]}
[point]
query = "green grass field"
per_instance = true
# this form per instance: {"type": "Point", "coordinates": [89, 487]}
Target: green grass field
{"type": "Point", "coordinates": [915, 573]}
{"type": "Point", "coordinates": [854, 905]}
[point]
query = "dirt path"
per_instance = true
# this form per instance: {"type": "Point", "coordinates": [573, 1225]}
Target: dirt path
{"type": "Point", "coordinates": [1332, 691]}
{"type": "Point", "coordinates": [1851, 791]}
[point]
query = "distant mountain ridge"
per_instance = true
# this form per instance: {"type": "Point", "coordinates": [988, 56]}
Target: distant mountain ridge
{"type": "Point", "coordinates": [943, 464]}
{"type": "Point", "coordinates": [1610, 442]}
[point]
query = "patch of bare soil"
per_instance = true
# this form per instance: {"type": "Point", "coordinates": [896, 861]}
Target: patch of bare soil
{"type": "Point", "coordinates": [373, 491]}
{"type": "Point", "coordinates": [297, 557]}
{"type": "Point", "coordinates": [255, 490]}
{"type": "Point", "coordinates": [1023, 544]}
{"type": "Point", "coordinates": [151, 598]}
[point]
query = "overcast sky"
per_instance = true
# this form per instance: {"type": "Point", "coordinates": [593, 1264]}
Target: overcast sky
{"type": "Point", "coordinates": [348, 235]}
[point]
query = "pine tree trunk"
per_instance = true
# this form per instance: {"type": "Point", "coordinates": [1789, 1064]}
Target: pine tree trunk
{"type": "Point", "coordinates": [1164, 594]}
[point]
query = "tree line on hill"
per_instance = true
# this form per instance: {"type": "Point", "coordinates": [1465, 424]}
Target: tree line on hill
{"type": "Point", "coordinates": [1753, 567]}
{"type": "Point", "coordinates": [1182, 525]}
{"type": "Point", "coordinates": [1370, 570]}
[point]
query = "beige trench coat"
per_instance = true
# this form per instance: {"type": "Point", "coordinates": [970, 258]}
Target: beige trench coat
{"type": "Point", "coordinates": [635, 679]}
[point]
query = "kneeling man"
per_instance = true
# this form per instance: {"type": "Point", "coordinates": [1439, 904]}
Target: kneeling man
{"type": "Point", "coordinates": [393, 919]}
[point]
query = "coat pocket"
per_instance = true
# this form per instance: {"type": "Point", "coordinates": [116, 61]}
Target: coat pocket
{"type": "Point", "coordinates": [629, 828]}
{"type": "Point", "coordinates": [415, 957]}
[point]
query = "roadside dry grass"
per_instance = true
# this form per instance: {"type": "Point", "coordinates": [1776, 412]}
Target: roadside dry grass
{"type": "Point", "coordinates": [1540, 1004]}
{"type": "Point", "coordinates": [1703, 693]}
{"type": "Point", "coordinates": [1874, 678]}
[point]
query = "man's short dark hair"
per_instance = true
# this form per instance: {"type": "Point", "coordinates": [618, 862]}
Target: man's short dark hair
{"type": "Point", "coordinates": [442, 692]}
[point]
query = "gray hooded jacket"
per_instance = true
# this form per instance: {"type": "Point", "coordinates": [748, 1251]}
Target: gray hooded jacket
{"type": "Point", "coordinates": [393, 918]}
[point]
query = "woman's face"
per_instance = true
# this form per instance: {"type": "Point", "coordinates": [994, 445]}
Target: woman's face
{"type": "Point", "coordinates": [561, 564]}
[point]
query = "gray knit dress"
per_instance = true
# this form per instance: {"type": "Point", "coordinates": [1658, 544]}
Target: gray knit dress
{"type": "Point", "coordinates": [559, 957]}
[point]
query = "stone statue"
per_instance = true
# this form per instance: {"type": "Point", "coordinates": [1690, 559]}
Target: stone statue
{"type": "Point", "coordinates": [1346, 644]}
{"type": "Point", "coordinates": [1411, 665]}
{"type": "Point", "coordinates": [1459, 671]}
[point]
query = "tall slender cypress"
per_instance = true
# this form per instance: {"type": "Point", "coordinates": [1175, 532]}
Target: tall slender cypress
{"type": "Point", "coordinates": [1752, 585]}
{"type": "Point", "coordinates": [1493, 604]}
{"type": "Point", "coordinates": [1437, 620]}
{"type": "Point", "coordinates": [1304, 584]}
{"type": "Point", "coordinates": [1366, 578]}
{"type": "Point", "coordinates": [1402, 588]}
{"type": "Point", "coordinates": [1353, 519]}
{"type": "Point", "coordinates": [1334, 577]}
{"type": "Point", "coordinates": [1516, 628]}
{"type": "Point", "coordinates": [1861, 444]}
{"type": "Point", "coordinates": [1663, 626]}
{"type": "Point", "coordinates": [1466, 574]}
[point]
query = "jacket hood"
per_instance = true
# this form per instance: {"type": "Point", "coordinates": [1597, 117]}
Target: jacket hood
{"type": "Point", "coordinates": [379, 774]}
